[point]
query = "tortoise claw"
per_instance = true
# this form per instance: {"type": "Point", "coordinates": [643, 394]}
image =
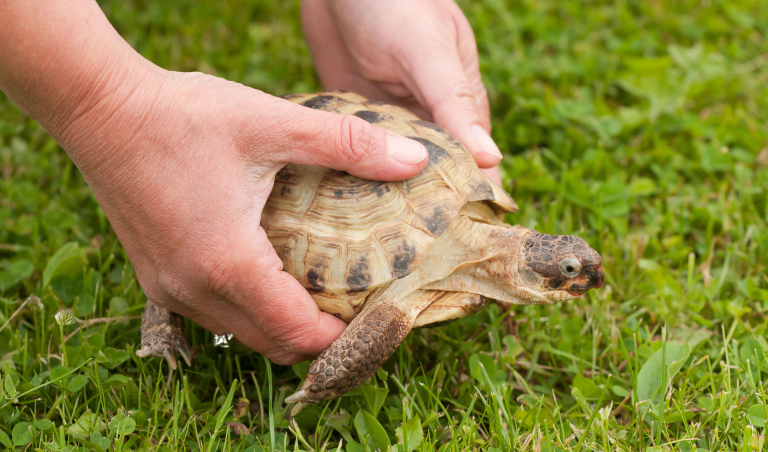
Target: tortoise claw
{"type": "Point", "coordinates": [300, 399]}
{"type": "Point", "coordinates": [169, 357]}
{"type": "Point", "coordinates": [186, 354]}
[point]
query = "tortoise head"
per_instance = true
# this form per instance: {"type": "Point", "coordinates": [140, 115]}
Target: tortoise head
{"type": "Point", "coordinates": [559, 267]}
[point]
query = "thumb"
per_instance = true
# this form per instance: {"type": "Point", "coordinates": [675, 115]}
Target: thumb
{"type": "Point", "coordinates": [348, 143]}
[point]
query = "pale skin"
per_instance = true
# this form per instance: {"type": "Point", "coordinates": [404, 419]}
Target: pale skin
{"type": "Point", "coordinates": [182, 164]}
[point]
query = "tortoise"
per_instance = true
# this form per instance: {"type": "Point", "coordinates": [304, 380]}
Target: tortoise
{"type": "Point", "coordinates": [387, 257]}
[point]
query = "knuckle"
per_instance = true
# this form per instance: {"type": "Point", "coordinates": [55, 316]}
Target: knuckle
{"type": "Point", "coordinates": [461, 92]}
{"type": "Point", "coordinates": [176, 287]}
{"type": "Point", "coordinates": [285, 358]}
{"type": "Point", "coordinates": [219, 275]}
{"type": "Point", "coordinates": [354, 139]}
{"type": "Point", "coordinates": [299, 339]}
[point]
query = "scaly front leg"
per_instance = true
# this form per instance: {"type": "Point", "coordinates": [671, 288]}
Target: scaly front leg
{"type": "Point", "coordinates": [355, 356]}
{"type": "Point", "coordinates": [162, 335]}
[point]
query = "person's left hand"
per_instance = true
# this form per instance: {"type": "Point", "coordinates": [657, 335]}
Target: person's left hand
{"type": "Point", "coordinates": [420, 54]}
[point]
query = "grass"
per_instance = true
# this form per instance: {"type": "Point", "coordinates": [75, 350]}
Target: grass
{"type": "Point", "coordinates": [641, 126]}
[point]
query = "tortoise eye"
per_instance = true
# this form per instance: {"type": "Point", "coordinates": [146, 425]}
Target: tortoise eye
{"type": "Point", "coordinates": [570, 267]}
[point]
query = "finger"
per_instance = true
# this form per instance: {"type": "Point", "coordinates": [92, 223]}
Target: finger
{"type": "Point", "coordinates": [221, 316]}
{"type": "Point", "coordinates": [252, 278]}
{"type": "Point", "coordinates": [342, 142]}
{"type": "Point", "coordinates": [456, 103]}
{"type": "Point", "coordinates": [240, 325]}
{"type": "Point", "coordinates": [493, 174]}
{"type": "Point", "coordinates": [467, 48]}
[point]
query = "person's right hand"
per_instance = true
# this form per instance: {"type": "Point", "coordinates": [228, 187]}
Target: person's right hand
{"type": "Point", "coordinates": [182, 165]}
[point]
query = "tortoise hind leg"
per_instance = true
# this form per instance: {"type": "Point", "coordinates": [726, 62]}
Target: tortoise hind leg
{"type": "Point", "coordinates": [162, 335]}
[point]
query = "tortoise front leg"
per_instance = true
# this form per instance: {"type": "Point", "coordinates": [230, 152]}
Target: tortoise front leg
{"type": "Point", "coordinates": [355, 355]}
{"type": "Point", "coordinates": [162, 335]}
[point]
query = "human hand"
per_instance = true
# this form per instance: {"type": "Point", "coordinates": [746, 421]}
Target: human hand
{"type": "Point", "coordinates": [182, 165]}
{"type": "Point", "coordinates": [420, 54]}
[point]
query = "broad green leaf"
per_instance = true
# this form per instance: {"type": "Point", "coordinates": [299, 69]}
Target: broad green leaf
{"type": "Point", "coordinates": [474, 365]}
{"type": "Point", "coordinates": [368, 427]}
{"type": "Point", "coordinates": [64, 261]}
{"type": "Point", "coordinates": [87, 423]}
{"type": "Point", "coordinates": [125, 426]}
{"type": "Point", "coordinates": [642, 186]}
{"type": "Point", "coordinates": [84, 304]}
{"type": "Point", "coordinates": [410, 434]}
{"type": "Point", "coordinates": [77, 383]}
{"type": "Point", "coordinates": [44, 424]}
{"type": "Point", "coordinates": [117, 306]}
{"type": "Point", "coordinates": [100, 441]}
{"type": "Point", "coordinates": [528, 417]}
{"type": "Point", "coordinates": [374, 397]}
{"type": "Point", "coordinates": [22, 434]}
{"type": "Point", "coordinates": [10, 388]}
{"type": "Point", "coordinates": [301, 369]}
{"type": "Point", "coordinates": [756, 415]}
{"type": "Point", "coordinates": [13, 272]}
{"type": "Point", "coordinates": [57, 376]}
{"type": "Point", "coordinates": [649, 378]}
{"type": "Point", "coordinates": [587, 387]}
{"type": "Point", "coordinates": [114, 357]}
{"type": "Point", "coordinates": [339, 422]}
{"type": "Point", "coordinates": [96, 340]}
{"type": "Point", "coordinates": [116, 380]}
{"type": "Point", "coordinates": [514, 348]}
{"type": "Point", "coordinates": [5, 440]}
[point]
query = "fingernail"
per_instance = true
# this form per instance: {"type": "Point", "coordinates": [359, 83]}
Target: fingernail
{"type": "Point", "coordinates": [485, 141]}
{"type": "Point", "coordinates": [405, 150]}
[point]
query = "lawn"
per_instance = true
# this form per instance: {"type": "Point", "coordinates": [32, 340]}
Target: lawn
{"type": "Point", "coordinates": [641, 126]}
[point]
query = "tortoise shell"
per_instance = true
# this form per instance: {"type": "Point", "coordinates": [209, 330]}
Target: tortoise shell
{"type": "Point", "coordinates": [343, 237]}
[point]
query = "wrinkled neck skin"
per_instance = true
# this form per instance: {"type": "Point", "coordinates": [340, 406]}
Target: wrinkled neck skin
{"type": "Point", "coordinates": [469, 257]}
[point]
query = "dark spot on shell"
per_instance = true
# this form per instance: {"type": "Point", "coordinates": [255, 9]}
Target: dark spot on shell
{"type": "Point", "coordinates": [379, 193]}
{"type": "Point", "coordinates": [482, 191]}
{"type": "Point", "coordinates": [320, 102]}
{"type": "Point", "coordinates": [402, 260]}
{"type": "Point", "coordinates": [371, 116]}
{"type": "Point", "coordinates": [431, 125]}
{"type": "Point", "coordinates": [380, 102]}
{"type": "Point", "coordinates": [438, 222]}
{"type": "Point", "coordinates": [436, 153]}
{"type": "Point", "coordinates": [338, 193]}
{"type": "Point", "coordinates": [358, 276]}
{"type": "Point", "coordinates": [284, 191]}
{"type": "Point", "coordinates": [284, 175]}
{"type": "Point", "coordinates": [315, 281]}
